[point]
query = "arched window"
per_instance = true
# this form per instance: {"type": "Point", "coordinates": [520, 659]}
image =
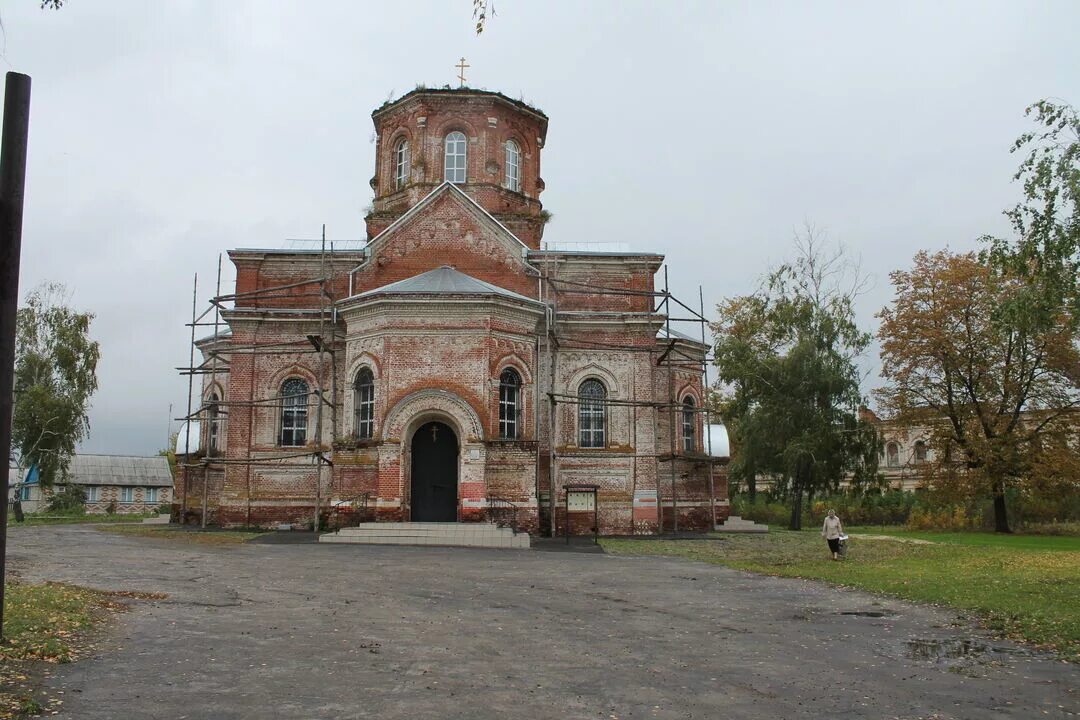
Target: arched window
{"type": "Point", "coordinates": [689, 422]}
{"type": "Point", "coordinates": [892, 455]}
{"type": "Point", "coordinates": [364, 404]}
{"type": "Point", "coordinates": [920, 452]}
{"type": "Point", "coordinates": [509, 403]}
{"type": "Point", "coordinates": [591, 414]}
{"type": "Point", "coordinates": [454, 157]}
{"type": "Point", "coordinates": [401, 163]}
{"type": "Point", "coordinates": [294, 399]}
{"type": "Point", "coordinates": [513, 166]}
{"type": "Point", "coordinates": [213, 424]}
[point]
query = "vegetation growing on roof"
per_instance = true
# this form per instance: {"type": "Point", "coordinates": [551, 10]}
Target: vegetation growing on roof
{"type": "Point", "coordinates": [465, 90]}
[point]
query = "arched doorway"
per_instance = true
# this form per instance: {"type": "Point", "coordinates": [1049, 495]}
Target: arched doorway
{"type": "Point", "coordinates": [434, 480]}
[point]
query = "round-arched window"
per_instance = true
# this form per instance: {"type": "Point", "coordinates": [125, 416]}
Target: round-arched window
{"type": "Point", "coordinates": [513, 166]}
{"type": "Point", "coordinates": [213, 422]}
{"type": "Point", "coordinates": [454, 157]}
{"type": "Point", "coordinates": [892, 455]}
{"type": "Point", "coordinates": [364, 404]}
{"type": "Point", "coordinates": [294, 411]}
{"type": "Point", "coordinates": [689, 424]}
{"type": "Point", "coordinates": [592, 397]}
{"type": "Point", "coordinates": [401, 163]}
{"type": "Point", "coordinates": [509, 403]}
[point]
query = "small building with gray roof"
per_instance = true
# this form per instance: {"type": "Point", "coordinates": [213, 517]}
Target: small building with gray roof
{"type": "Point", "coordinates": [122, 484]}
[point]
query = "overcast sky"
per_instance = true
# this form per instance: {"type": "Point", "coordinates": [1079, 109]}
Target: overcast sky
{"type": "Point", "coordinates": [163, 133]}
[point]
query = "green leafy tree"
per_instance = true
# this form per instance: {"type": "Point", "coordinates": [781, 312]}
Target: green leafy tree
{"type": "Point", "coordinates": [788, 353]}
{"type": "Point", "coordinates": [170, 452]}
{"type": "Point", "coordinates": [1045, 248]}
{"type": "Point", "coordinates": [996, 392]}
{"type": "Point", "coordinates": [989, 343]}
{"type": "Point", "coordinates": [55, 377]}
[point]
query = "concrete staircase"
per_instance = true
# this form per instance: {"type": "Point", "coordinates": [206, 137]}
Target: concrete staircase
{"type": "Point", "coordinates": [486, 535]}
{"type": "Point", "coordinates": [736, 524]}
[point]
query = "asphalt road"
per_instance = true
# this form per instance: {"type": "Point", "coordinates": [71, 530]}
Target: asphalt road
{"type": "Point", "coordinates": [336, 631]}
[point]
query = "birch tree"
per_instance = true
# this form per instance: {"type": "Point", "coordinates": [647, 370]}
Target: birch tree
{"type": "Point", "coordinates": [788, 352]}
{"type": "Point", "coordinates": [55, 377]}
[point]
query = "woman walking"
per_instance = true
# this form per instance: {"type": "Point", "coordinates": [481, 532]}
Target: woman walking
{"type": "Point", "coordinates": [831, 531]}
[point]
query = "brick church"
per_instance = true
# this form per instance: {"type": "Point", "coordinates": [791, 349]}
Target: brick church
{"type": "Point", "coordinates": [455, 368]}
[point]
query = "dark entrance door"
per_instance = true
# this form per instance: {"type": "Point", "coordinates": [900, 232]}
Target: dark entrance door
{"type": "Point", "coordinates": [434, 473]}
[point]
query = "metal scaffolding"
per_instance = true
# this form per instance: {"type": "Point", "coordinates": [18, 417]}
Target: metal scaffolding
{"type": "Point", "coordinates": [671, 358]}
{"type": "Point", "coordinates": [212, 414]}
{"type": "Point", "coordinates": [209, 413]}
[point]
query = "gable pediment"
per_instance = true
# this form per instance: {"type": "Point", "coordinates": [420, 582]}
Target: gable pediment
{"type": "Point", "coordinates": [447, 228]}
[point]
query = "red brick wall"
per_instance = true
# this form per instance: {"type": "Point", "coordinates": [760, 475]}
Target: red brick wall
{"type": "Point", "coordinates": [487, 121]}
{"type": "Point", "coordinates": [447, 233]}
{"type": "Point", "coordinates": [458, 346]}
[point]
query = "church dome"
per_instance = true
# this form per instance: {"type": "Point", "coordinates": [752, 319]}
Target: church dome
{"type": "Point", "coordinates": [484, 142]}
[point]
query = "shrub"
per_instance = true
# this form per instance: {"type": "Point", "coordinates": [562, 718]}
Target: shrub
{"type": "Point", "coordinates": [68, 500]}
{"type": "Point", "coordinates": [954, 518]}
{"type": "Point", "coordinates": [931, 510]}
{"type": "Point", "coordinates": [761, 511]}
{"type": "Point", "coordinates": [1054, 528]}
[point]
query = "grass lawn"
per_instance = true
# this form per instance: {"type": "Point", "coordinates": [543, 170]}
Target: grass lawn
{"type": "Point", "coordinates": [48, 519]}
{"type": "Point", "coordinates": [45, 623]}
{"type": "Point", "coordinates": [981, 539]}
{"type": "Point", "coordinates": [183, 534]}
{"type": "Point", "coordinates": [1026, 591]}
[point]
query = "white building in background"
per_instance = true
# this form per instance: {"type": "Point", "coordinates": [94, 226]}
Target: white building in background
{"type": "Point", "coordinates": [124, 484]}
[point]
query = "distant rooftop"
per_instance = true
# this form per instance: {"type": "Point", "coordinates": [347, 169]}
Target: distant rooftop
{"type": "Point", "coordinates": [127, 470]}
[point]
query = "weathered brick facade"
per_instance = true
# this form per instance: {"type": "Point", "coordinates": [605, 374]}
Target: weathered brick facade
{"type": "Point", "coordinates": [453, 289]}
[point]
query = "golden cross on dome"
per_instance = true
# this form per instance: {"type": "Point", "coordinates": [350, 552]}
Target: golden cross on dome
{"type": "Point", "coordinates": [461, 74]}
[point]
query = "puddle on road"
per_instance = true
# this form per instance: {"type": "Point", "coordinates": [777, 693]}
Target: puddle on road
{"type": "Point", "coordinates": [810, 613]}
{"type": "Point", "coordinates": [864, 613]}
{"type": "Point", "coordinates": [959, 649]}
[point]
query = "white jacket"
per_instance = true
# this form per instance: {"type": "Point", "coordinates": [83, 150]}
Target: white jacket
{"type": "Point", "coordinates": [832, 529]}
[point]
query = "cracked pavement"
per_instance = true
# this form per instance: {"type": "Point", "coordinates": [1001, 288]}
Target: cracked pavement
{"type": "Point", "coordinates": [351, 631]}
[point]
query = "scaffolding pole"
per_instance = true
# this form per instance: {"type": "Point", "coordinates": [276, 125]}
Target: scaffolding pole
{"type": "Point", "coordinates": [190, 389]}
{"type": "Point", "coordinates": [671, 412]}
{"type": "Point", "coordinates": [706, 429]}
{"type": "Point", "coordinates": [218, 360]}
{"type": "Point", "coordinates": [671, 357]}
{"type": "Point", "coordinates": [212, 417]}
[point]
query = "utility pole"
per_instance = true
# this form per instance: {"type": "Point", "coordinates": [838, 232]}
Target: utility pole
{"type": "Point", "coordinates": [12, 188]}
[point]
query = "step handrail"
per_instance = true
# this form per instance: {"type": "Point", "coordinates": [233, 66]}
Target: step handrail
{"type": "Point", "coordinates": [502, 512]}
{"type": "Point", "coordinates": [361, 503]}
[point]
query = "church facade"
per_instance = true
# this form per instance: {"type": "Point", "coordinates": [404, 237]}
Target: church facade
{"type": "Point", "coordinates": [454, 369]}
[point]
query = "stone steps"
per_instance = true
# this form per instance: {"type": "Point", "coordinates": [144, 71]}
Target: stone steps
{"type": "Point", "coordinates": [736, 524]}
{"type": "Point", "coordinates": [444, 534]}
